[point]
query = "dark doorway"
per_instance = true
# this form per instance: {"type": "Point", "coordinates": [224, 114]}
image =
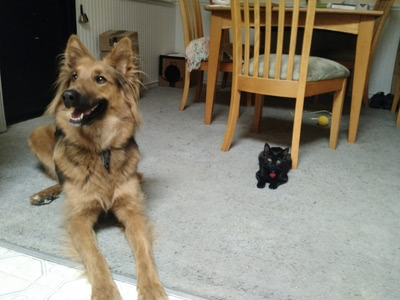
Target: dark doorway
{"type": "Point", "coordinates": [33, 34]}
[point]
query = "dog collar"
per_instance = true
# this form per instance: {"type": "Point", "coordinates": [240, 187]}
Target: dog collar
{"type": "Point", "coordinates": [106, 159]}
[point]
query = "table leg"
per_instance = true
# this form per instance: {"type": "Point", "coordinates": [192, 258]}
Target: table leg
{"type": "Point", "coordinates": [213, 65]}
{"type": "Point", "coordinates": [363, 47]}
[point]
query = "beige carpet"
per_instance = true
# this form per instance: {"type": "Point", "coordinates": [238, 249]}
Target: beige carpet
{"type": "Point", "coordinates": [331, 232]}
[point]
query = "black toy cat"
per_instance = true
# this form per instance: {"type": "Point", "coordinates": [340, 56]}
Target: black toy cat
{"type": "Point", "coordinates": [275, 164]}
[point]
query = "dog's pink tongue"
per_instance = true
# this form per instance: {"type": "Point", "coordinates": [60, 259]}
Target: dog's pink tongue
{"type": "Point", "coordinates": [272, 175]}
{"type": "Point", "coordinates": [76, 114]}
{"type": "Point", "coordinates": [87, 112]}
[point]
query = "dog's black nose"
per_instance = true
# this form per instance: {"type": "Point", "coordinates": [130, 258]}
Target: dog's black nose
{"type": "Point", "coordinates": [71, 98]}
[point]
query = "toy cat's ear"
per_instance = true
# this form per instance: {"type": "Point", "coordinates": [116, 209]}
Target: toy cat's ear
{"type": "Point", "coordinates": [266, 148]}
{"type": "Point", "coordinates": [285, 152]}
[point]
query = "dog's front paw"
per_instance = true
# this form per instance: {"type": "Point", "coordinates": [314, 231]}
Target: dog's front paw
{"type": "Point", "coordinates": [153, 292]}
{"type": "Point", "coordinates": [46, 196]}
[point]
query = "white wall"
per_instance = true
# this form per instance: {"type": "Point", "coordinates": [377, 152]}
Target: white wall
{"type": "Point", "coordinates": [385, 55]}
{"type": "Point", "coordinates": [155, 24]}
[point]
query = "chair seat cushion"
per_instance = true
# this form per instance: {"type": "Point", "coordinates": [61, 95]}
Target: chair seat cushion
{"type": "Point", "coordinates": [318, 68]}
{"type": "Point", "coordinates": [197, 51]}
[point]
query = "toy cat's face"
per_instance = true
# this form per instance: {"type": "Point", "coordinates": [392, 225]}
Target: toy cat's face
{"type": "Point", "coordinates": [275, 164]}
{"type": "Point", "coordinates": [274, 160]}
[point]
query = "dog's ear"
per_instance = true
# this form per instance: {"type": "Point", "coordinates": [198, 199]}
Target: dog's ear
{"type": "Point", "coordinates": [121, 56]}
{"type": "Point", "coordinates": [125, 62]}
{"type": "Point", "coordinates": [75, 50]}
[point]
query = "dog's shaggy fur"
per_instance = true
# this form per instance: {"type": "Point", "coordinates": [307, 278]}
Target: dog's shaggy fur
{"type": "Point", "coordinates": [92, 152]}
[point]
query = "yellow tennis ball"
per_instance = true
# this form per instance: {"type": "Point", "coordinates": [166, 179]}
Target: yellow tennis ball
{"type": "Point", "coordinates": [322, 121]}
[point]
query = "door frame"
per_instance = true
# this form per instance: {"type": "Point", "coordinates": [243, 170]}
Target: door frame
{"type": "Point", "coordinates": [3, 125]}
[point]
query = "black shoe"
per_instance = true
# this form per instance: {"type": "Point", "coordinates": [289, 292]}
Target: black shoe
{"type": "Point", "coordinates": [387, 101]}
{"type": "Point", "coordinates": [376, 100]}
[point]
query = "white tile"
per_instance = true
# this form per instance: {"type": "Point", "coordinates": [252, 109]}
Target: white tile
{"type": "Point", "coordinates": [78, 289]}
{"type": "Point", "coordinates": [23, 267]}
{"type": "Point", "coordinates": [3, 251]}
{"type": "Point", "coordinates": [54, 275]}
{"type": "Point", "coordinates": [127, 291]}
{"type": "Point", "coordinates": [24, 277]}
{"type": "Point", "coordinates": [34, 292]}
{"type": "Point", "coordinates": [11, 284]}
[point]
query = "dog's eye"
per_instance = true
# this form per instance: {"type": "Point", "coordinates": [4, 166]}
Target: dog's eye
{"type": "Point", "coordinates": [74, 76]}
{"type": "Point", "coordinates": [278, 162]}
{"type": "Point", "coordinates": [269, 160]}
{"type": "Point", "coordinates": [100, 79]}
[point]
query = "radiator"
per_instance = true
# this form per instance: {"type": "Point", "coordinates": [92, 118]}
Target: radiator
{"type": "Point", "coordinates": [154, 23]}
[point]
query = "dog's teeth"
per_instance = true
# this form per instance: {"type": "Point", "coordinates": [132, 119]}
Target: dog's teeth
{"type": "Point", "coordinates": [77, 118]}
{"type": "Point", "coordinates": [92, 109]}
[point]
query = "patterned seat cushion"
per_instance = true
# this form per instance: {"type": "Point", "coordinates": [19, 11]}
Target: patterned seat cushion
{"type": "Point", "coordinates": [318, 68]}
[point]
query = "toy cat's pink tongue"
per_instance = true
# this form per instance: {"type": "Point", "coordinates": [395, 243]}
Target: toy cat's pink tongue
{"type": "Point", "coordinates": [272, 175]}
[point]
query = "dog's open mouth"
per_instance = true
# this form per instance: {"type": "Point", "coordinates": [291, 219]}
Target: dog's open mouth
{"type": "Point", "coordinates": [85, 116]}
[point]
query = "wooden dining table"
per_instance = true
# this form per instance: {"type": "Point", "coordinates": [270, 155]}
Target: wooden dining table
{"type": "Point", "coordinates": [357, 22]}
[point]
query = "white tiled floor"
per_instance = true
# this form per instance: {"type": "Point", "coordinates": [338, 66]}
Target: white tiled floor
{"type": "Point", "coordinates": [25, 277]}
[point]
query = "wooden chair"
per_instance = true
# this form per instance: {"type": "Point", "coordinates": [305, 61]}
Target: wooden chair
{"type": "Point", "coordinates": [278, 74]}
{"type": "Point", "coordinates": [193, 29]}
{"type": "Point", "coordinates": [347, 57]}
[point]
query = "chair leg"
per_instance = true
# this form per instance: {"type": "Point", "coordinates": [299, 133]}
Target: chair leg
{"type": "Point", "coordinates": [232, 119]}
{"type": "Point", "coordinates": [249, 98]}
{"type": "Point", "coordinates": [298, 119]}
{"type": "Point", "coordinates": [224, 80]}
{"type": "Point", "coordinates": [225, 39]}
{"type": "Point", "coordinates": [365, 96]}
{"type": "Point", "coordinates": [337, 108]}
{"type": "Point", "coordinates": [396, 97]}
{"type": "Point", "coordinates": [398, 119]}
{"type": "Point", "coordinates": [258, 108]}
{"type": "Point", "coordinates": [199, 85]}
{"type": "Point", "coordinates": [186, 86]}
{"type": "Point", "coordinates": [365, 93]}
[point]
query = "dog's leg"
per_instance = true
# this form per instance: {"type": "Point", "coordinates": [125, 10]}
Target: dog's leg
{"type": "Point", "coordinates": [41, 142]}
{"type": "Point", "coordinates": [80, 228]}
{"type": "Point", "coordinates": [129, 211]}
{"type": "Point", "coordinates": [46, 196]}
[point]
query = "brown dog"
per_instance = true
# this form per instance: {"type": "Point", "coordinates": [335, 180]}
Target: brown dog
{"type": "Point", "coordinates": [92, 151]}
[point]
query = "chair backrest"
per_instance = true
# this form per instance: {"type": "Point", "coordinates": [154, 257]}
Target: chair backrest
{"type": "Point", "coordinates": [191, 20]}
{"type": "Point", "coordinates": [257, 15]}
